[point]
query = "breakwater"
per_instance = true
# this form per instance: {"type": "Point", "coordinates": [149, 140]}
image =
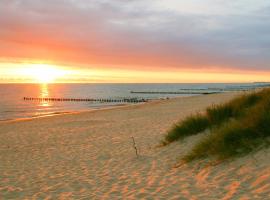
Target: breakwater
{"type": "Point", "coordinates": [124, 100]}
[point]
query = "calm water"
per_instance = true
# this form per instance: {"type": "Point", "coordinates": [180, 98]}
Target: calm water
{"type": "Point", "coordinates": [12, 105]}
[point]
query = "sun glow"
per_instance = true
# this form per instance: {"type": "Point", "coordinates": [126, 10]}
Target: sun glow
{"type": "Point", "coordinates": [43, 73]}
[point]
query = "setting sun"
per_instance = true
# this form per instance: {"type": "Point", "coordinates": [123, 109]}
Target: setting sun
{"type": "Point", "coordinates": [43, 73]}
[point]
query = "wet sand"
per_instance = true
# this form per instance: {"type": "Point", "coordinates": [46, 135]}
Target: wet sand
{"type": "Point", "coordinates": [90, 155]}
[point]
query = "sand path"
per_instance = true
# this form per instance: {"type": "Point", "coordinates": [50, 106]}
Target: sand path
{"type": "Point", "coordinates": [90, 156]}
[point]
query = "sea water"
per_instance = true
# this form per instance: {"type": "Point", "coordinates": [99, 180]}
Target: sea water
{"type": "Point", "coordinates": [13, 106]}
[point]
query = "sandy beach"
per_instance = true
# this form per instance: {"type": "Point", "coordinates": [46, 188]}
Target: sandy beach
{"type": "Point", "coordinates": [90, 155]}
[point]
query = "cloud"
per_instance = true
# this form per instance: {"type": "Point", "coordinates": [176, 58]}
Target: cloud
{"type": "Point", "coordinates": [147, 33]}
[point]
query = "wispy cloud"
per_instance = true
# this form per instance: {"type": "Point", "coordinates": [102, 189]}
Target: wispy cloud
{"type": "Point", "coordinates": [149, 33]}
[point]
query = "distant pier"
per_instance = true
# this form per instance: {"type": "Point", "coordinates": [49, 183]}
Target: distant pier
{"type": "Point", "coordinates": [125, 100]}
{"type": "Point", "coordinates": [179, 92]}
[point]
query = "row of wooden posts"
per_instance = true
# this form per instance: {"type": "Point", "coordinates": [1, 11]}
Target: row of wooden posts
{"type": "Point", "coordinates": [125, 100]}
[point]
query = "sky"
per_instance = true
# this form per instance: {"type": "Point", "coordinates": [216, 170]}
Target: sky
{"type": "Point", "coordinates": [136, 40]}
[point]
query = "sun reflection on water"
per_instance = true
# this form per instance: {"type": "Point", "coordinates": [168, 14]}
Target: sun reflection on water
{"type": "Point", "coordinates": [44, 93]}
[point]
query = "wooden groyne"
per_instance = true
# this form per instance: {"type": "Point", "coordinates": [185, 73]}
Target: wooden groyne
{"type": "Point", "coordinates": [125, 100]}
{"type": "Point", "coordinates": [179, 92]}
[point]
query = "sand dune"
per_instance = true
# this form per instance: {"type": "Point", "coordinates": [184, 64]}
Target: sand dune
{"type": "Point", "coordinates": [90, 156]}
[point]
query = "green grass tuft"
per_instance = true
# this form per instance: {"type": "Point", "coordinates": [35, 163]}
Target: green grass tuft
{"type": "Point", "coordinates": [236, 128]}
{"type": "Point", "coordinates": [237, 137]}
{"type": "Point", "coordinates": [217, 114]}
{"type": "Point", "coordinates": [190, 126]}
{"type": "Point", "coordinates": [214, 116]}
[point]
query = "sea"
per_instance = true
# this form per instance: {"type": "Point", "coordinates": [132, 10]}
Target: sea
{"type": "Point", "coordinates": [13, 106]}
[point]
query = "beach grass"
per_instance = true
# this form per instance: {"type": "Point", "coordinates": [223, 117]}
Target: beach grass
{"type": "Point", "coordinates": [214, 116]}
{"type": "Point", "coordinates": [236, 128]}
{"type": "Point", "coordinates": [236, 108]}
{"type": "Point", "coordinates": [189, 126]}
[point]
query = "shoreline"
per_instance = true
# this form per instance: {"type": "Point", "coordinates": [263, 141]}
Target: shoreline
{"type": "Point", "coordinates": [62, 113]}
{"type": "Point", "coordinates": [109, 107]}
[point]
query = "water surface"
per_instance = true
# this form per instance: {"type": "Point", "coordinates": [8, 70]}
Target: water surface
{"type": "Point", "coordinates": [12, 105]}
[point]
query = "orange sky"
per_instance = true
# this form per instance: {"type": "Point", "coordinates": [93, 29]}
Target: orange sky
{"type": "Point", "coordinates": [135, 41]}
{"type": "Point", "coordinates": [36, 72]}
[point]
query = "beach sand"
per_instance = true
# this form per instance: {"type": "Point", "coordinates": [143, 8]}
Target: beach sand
{"type": "Point", "coordinates": [90, 155]}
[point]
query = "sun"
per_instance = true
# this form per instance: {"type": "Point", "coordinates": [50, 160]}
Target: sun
{"type": "Point", "coordinates": [44, 73]}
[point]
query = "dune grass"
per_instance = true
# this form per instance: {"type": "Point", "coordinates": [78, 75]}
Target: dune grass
{"type": "Point", "coordinates": [236, 137]}
{"type": "Point", "coordinates": [236, 128]}
{"type": "Point", "coordinates": [214, 116]}
{"type": "Point", "coordinates": [236, 108]}
{"type": "Point", "coordinates": [189, 126]}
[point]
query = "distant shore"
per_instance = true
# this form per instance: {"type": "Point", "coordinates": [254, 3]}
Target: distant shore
{"type": "Point", "coordinates": [91, 155]}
